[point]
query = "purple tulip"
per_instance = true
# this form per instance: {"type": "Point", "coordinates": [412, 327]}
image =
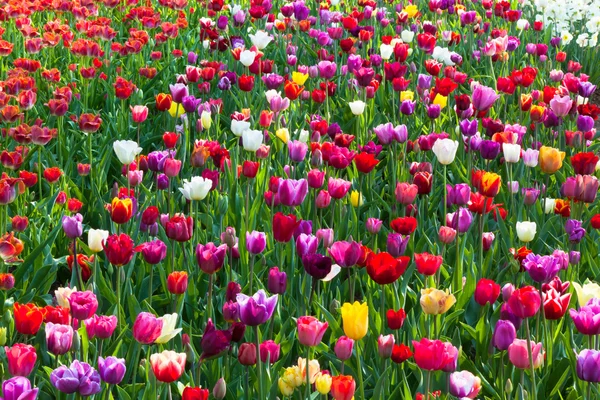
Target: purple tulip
{"type": "Point", "coordinates": [210, 258]}
{"type": "Point", "coordinates": [575, 231]}
{"type": "Point", "coordinates": [424, 81]}
{"type": "Point", "coordinates": [504, 334]}
{"type": "Point", "coordinates": [256, 242]}
{"type": "Point", "coordinates": [460, 220]}
{"type": "Point", "coordinates": [373, 225]}
{"type": "Point", "coordinates": [111, 369]}
{"type": "Point", "coordinates": [483, 97]}
{"type": "Point", "coordinates": [256, 310]}
{"type": "Point", "coordinates": [345, 254]}
{"type": "Point", "coordinates": [585, 123]}
{"type": "Point", "coordinates": [408, 107]}
{"type": "Point", "coordinates": [153, 252]}
{"type": "Point", "coordinates": [277, 281]}
{"type": "Point", "coordinates": [541, 268]}
{"type": "Point", "coordinates": [214, 341]}
{"type": "Point", "coordinates": [489, 149]}
{"type": "Point", "coordinates": [459, 194]}
{"type": "Point", "coordinates": [59, 338]}
{"type": "Point", "coordinates": [327, 69]}
{"type": "Point", "coordinates": [317, 265]}
{"type": "Point", "coordinates": [396, 244]}
{"type": "Point", "coordinates": [297, 150]}
{"type": "Point", "coordinates": [292, 192]}
{"type": "Point", "coordinates": [72, 226]}
{"type": "Point", "coordinates": [588, 365]}
{"type": "Point", "coordinates": [468, 128]}
{"type": "Point", "coordinates": [586, 320]}
{"type": "Point", "coordinates": [306, 244]}
{"type": "Point", "coordinates": [178, 92]}
{"type": "Point", "coordinates": [585, 88]}
{"type": "Point", "coordinates": [18, 388]}
{"type": "Point", "coordinates": [79, 377]}
{"type": "Point", "coordinates": [83, 304]}
{"type": "Point", "coordinates": [586, 188]}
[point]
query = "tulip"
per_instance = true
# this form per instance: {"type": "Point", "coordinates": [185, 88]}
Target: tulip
{"type": "Point", "coordinates": [486, 291]}
{"type": "Point", "coordinates": [357, 107]}
{"type": "Point", "coordinates": [196, 189]}
{"type": "Point", "coordinates": [153, 252]}
{"type": "Point", "coordinates": [18, 388]}
{"type": "Point", "coordinates": [586, 320]}
{"type": "Point", "coordinates": [555, 304]}
{"type": "Point", "coordinates": [269, 350]}
{"type": "Point", "coordinates": [292, 192]}
{"type": "Point", "coordinates": [464, 385]}
{"type": "Point", "coordinates": [427, 264]}
{"type": "Point", "coordinates": [384, 269]}
{"type": "Point", "coordinates": [119, 249]}
{"type": "Point", "coordinates": [20, 358]}
{"type": "Point", "coordinates": [179, 228]}
{"type": "Point", "coordinates": [435, 301]}
{"type": "Point", "coordinates": [220, 389]}
{"type": "Point", "coordinates": [343, 387]}
{"type": "Point", "coordinates": [277, 281]}
{"type": "Point", "coordinates": [504, 334]}
{"type": "Point", "coordinates": [431, 355]}
{"type": "Point", "coordinates": [111, 369]}
{"type": "Point", "coordinates": [210, 257]}
{"type": "Point", "coordinates": [284, 226]}
{"type": "Point", "coordinates": [406, 193]}
{"type": "Point", "coordinates": [323, 383]}
{"type": "Point", "coordinates": [385, 345]}
{"type": "Point", "coordinates": [247, 354]}
{"type": "Point", "coordinates": [590, 290]}
{"type": "Point", "coordinates": [541, 268]}
{"type": "Point", "coordinates": [588, 365]}
{"type": "Point", "coordinates": [177, 282]}
{"type": "Point", "coordinates": [139, 113]}
{"type": "Point", "coordinates": [483, 97]}
{"type": "Point", "coordinates": [255, 242]}
{"type": "Point", "coordinates": [168, 366]}
{"type": "Point", "coordinates": [310, 330]}
{"type": "Point", "coordinates": [256, 310]}
{"type": "Point", "coordinates": [195, 393]}
{"type": "Point", "coordinates": [345, 254]}
{"type": "Point", "coordinates": [147, 328]}
{"type": "Point", "coordinates": [96, 238]}
{"type": "Point", "coordinates": [59, 338]}
{"type": "Point", "coordinates": [445, 150]}
{"type": "Point", "coordinates": [72, 226]}
{"type": "Point", "coordinates": [28, 318]}
{"type": "Point", "coordinates": [519, 357]}
{"type": "Point", "coordinates": [252, 139]}
{"type": "Point", "coordinates": [512, 152]}
{"type": "Point", "coordinates": [526, 231]}
{"type": "Point", "coordinates": [83, 304]}
{"type": "Point", "coordinates": [80, 378]}
{"type": "Point", "coordinates": [126, 150]}
{"type": "Point", "coordinates": [100, 326]}
{"type": "Point", "coordinates": [214, 341]}
{"type": "Point", "coordinates": [550, 159]}
{"type": "Point", "coordinates": [338, 188]}
{"type": "Point", "coordinates": [525, 302]}
{"type": "Point", "coordinates": [355, 319]}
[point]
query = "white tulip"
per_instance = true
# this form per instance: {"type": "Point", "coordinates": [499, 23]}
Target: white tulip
{"type": "Point", "coordinates": [247, 57]}
{"type": "Point", "coordinates": [386, 51]}
{"type": "Point", "coordinates": [261, 39]}
{"type": "Point", "coordinates": [238, 127]}
{"type": "Point", "coordinates": [357, 107]}
{"type": "Point", "coordinates": [512, 152]}
{"type": "Point", "coordinates": [407, 36]}
{"type": "Point", "coordinates": [95, 239]}
{"type": "Point", "coordinates": [526, 231]}
{"type": "Point", "coordinates": [252, 139]}
{"type": "Point", "coordinates": [196, 189]}
{"type": "Point", "coordinates": [126, 150]}
{"type": "Point", "coordinates": [271, 94]}
{"type": "Point", "coordinates": [62, 295]}
{"type": "Point", "coordinates": [303, 136]}
{"type": "Point", "coordinates": [168, 331]}
{"type": "Point", "coordinates": [549, 205]}
{"type": "Point", "coordinates": [205, 119]}
{"type": "Point", "coordinates": [445, 150]}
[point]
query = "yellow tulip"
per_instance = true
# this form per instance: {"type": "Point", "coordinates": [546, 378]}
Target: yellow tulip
{"type": "Point", "coordinates": [435, 301]}
{"type": "Point", "coordinates": [299, 78]}
{"type": "Point", "coordinates": [356, 198]}
{"type": "Point", "coordinates": [206, 121]}
{"type": "Point", "coordinates": [407, 95]}
{"type": "Point", "coordinates": [440, 100]}
{"type": "Point", "coordinates": [551, 159]}
{"type": "Point", "coordinates": [589, 290]}
{"type": "Point", "coordinates": [355, 318]}
{"type": "Point", "coordinates": [283, 134]}
{"type": "Point", "coordinates": [411, 10]}
{"type": "Point", "coordinates": [176, 110]}
{"type": "Point", "coordinates": [293, 376]}
{"type": "Point", "coordinates": [323, 383]}
{"type": "Point", "coordinates": [285, 388]}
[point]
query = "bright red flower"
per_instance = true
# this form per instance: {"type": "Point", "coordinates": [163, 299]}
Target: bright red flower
{"type": "Point", "coordinates": [121, 210]}
{"type": "Point", "coordinates": [343, 387]}
{"type": "Point", "coordinates": [292, 90]}
{"type": "Point", "coordinates": [584, 163]}
{"type": "Point", "coordinates": [57, 315]}
{"type": "Point", "coordinates": [404, 225]}
{"type": "Point", "coordinates": [28, 318]}
{"type": "Point", "coordinates": [525, 302]}
{"type": "Point", "coordinates": [163, 101]}
{"type": "Point", "coordinates": [395, 319]}
{"type": "Point", "coordinates": [52, 175]}
{"type": "Point", "coordinates": [595, 221]}
{"type": "Point", "coordinates": [195, 393]}
{"type": "Point", "coordinates": [384, 269]}
{"type": "Point", "coordinates": [428, 264]}
{"type": "Point", "coordinates": [284, 226]}
{"type": "Point", "coordinates": [555, 304]}
{"type": "Point", "coordinates": [365, 162]}
{"type": "Point", "coordinates": [401, 353]}
{"type": "Point", "coordinates": [180, 228]}
{"type": "Point", "coordinates": [424, 181]}
{"type": "Point", "coordinates": [486, 291]}
{"type": "Point", "coordinates": [119, 249]}
{"type": "Point", "coordinates": [246, 83]}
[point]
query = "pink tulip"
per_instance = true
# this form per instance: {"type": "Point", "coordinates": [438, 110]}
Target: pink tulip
{"type": "Point", "coordinates": [310, 330]}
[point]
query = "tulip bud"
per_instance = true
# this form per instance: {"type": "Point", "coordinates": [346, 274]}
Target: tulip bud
{"type": "Point", "coordinates": [247, 354]}
{"type": "Point", "coordinates": [2, 336]}
{"type": "Point", "coordinates": [343, 348]}
{"type": "Point", "coordinates": [508, 388]}
{"type": "Point", "coordinates": [385, 345]}
{"type": "Point", "coordinates": [220, 389]}
{"type": "Point", "coordinates": [334, 306]}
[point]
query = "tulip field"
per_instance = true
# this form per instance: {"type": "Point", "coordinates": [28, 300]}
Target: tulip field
{"type": "Point", "coordinates": [290, 199]}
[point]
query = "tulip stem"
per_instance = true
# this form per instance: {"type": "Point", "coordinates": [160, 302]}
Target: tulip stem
{"type": "Point", "coordinates": [427, 383]}
{"type": "Point", "coordinates": [307, 369]}
{"type": "Point", "coordinates": [360, 376]}
{"type": "Point", "coordinates": [150, 287]}
{"type": "Point", "coordinates": [210, 292]}
{"type": "Point", "coordinates": [530, 351]}
{"type": "Point", "coordinates": [252, 272]}
{"type": "Point", "coordinates": [169, 391]}
{"type": "Point", "coordinates": [118, 272]}
{"type": "Point", "coordinates": [39, 171]}
{"type": "Point", "coordinates": [258, 362]}
{"type": "Point", "coordinates": [445, 198]}
{"type": "Point", "coordinates": [589, 390]}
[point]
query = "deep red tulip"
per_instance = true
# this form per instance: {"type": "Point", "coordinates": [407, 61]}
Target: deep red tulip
{"type": "Point", "coordinates": [28, 318]}
{"type": "Point", "coordinates": [428, 264]}
{"type": "Point", "coordinates": [525, 302]}
{"type": "Point", "coordinates": [383, 268]}
{"type": "Point", "coordinates": [180, 228]}
{"type": "Point", "coordinates": [404, 225]}
{"type": "Point", "coordinates": [486, 291]}
{"type": "Point", "coordinates": [395, 319]}
{"type": "Point", "coordinates": [118, 249]}
{"type": "Point", "coordinates": [284, 226]}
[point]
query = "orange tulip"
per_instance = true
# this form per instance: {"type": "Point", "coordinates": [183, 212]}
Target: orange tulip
{"type": "Point", "coordinates": [551, 159]}
{"type": "Point", "coordinates": [121, 210]}
{"type": "Point", "coordinates": [28, 318]}
{"type": "Point", "coordinates": [343, 387]}
{"type": "Point", "coordinates": [490, 184]}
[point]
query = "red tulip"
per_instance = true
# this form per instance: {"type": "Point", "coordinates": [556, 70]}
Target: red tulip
{"type": "Point", "coordinates": [365, 162]}
{"type": "Point", "coordinates": [555, 304]}
{"type": "Point", "coordinates": [28, 318]}
{"type": "Point", "coordinates": [383, 268]}
{"type": "Point", "coordinates": [180, 228]}
{"type": "Point", "coordinates": [525, 302]}
{"type": "Point", "coordinates": [195, 393]}
{"type": "Point", "coordinates": [343, 387]}
{"type": "Point", "coordinates": [428, 264]}
{"type": "Point", "coordinates": [177, 282]}
{"type": "Point", "coordinates": [52, 174]}
{"type": "Point", "coordinates": [118, 249]}
{"type": "Point", "coordinates": [20, 358]}
{"type": "Point", "coordinates": [167, 366]}
{"type": "Point", "coordinates": [284, 226]}
{"type": "Point", "coordinates": [401, 353]}
{"type": "Point", "coordinates": [487, 291]}
{"type": "Point", "coordinates": [404, 225]}
{"type": "Point", "coordinates": [395, 319]}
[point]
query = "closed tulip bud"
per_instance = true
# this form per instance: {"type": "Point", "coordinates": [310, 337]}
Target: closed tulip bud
{"type": "Point", "coordinates": [519, 357]}
{"type": "Point", "coordinates": [323, 383]}
{"type": "Point", "coordinates": [2, 336]}
{"type": "Point", "coordinates": [220, 389]}
{"type": "Point", "coordinates": [111, 369]}
{"type": "Point", "coordinates": [59, 338]}
{"type": "Point", "coordinates": [526, 231]}
{"type": "Point", "coordinates": [385, 345]}
{"type": "Point", "coordinates": [139, 113]}
{"type": "Point", "coordinates": [247, 354]}
{"type": "Point", "coordinates": [177, 282]}
{"type": "Point", "coordinates": [277, 281]}
{"type": "Point", "coordinates": [504, 334]}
